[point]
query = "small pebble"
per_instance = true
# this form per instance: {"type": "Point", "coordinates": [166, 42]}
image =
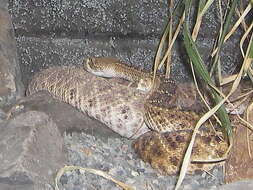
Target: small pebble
{"type": "Point", "coordinates": [141, 170]}
{"type": "Point", "coordinates": [133, 173]}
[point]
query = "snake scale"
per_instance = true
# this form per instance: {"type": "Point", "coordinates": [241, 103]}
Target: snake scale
{"type": "Point", "coordinates": [132, 110]}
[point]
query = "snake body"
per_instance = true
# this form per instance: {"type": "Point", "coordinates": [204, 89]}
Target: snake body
{"type": "Point", "coordinates": [169, 119]}
{"type": "Point", "coordinates": [132, 111]}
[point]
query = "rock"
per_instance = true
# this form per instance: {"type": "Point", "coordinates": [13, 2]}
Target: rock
{"type": "Point", "coordinates": [11, 86]}
{"type": "Point", "coordinates": [4, 4]}
{"type": "Point", "coordinates": [65, 116]}
{"type": "Point", "coordinates": [242, 185]}
{"type": "Point", "coordinates": [31, 151]}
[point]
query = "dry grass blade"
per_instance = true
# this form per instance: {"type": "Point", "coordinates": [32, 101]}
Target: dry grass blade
{"type": "Point", "coordinates": [199, 19]}
{"type": "Point", "coordinates": [197, 88]}
{"type": "Point", "coordinates": [211, 160]}
{"type": "Point", "coordinates": [168, 31]}
{"type": "Point", "coordinates": [228, 18]}
{"type": "Point", "coordinates": [228, 79]}
{"type": "Point", "coordinates": [160, 47]}
{"type": "Point", "coordinates": [218, 71]}
{"type": "Point", "coordinates": [249, 109]}
{"type": "Point", "coordinates": [206, 116]}
{"type": "Point", "coordinates": [167, 72]}
{"type": "Point", "coordinates": [244, 37]}
{"type": "Point", "coordinates": [206, 7]}
{"type": "Point", "coordinates": [249, 125]}
{"type": "Point", "coordinates": [238, 22]}
{"type": "Point", "coordinates": [195, 57]}
{"type": "Point", "coordinates": [96, 172]}
{"type": "Point", "coordinates": [186, 160]}
{"type": "Point", "coordinates": [203, 99]}
{"type": "Point", "coordinates": [172, 42]}
{"type": "Point", "coordinates": [239, 10]}
{"type": "Point", "coordinates": [247, 66]}
{"type": "Point", "coordinates": [201, 12]}
{"type": "Point", "coordinates": [249, 59]}
{"type": "Point", "coordinates": [187, 157]}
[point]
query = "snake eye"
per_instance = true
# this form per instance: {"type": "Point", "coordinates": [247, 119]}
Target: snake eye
{"type": "Point", "coordinates": [88, 64]}
{"type": "Point", "coordinates": [88, 60]}
{"type": "Point", "coordinates": [91, 62]}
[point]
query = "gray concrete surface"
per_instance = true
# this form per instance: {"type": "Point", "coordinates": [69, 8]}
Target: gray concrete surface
{"type": "Point", "coordinates": [64, 32]}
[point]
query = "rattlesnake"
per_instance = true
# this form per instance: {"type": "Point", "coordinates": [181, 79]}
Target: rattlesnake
{"type": "Point", "coordinates": [132, 110]}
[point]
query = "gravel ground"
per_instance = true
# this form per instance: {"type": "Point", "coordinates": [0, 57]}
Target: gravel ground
{"type": "Point", "coordinates": [116, 157]}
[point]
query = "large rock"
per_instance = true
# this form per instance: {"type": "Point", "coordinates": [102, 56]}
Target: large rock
{"type": "Point", "coordinates": [4, 3]}
{"type": "Point", "coordinates": [10, 76]}
{"type": "Point", "coordinates": [64, 115]}
{"type": "Point", "coordinates": [31, 151]}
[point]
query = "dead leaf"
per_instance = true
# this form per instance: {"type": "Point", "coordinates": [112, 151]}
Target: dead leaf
{"type": "Point", "coordinates": [239, 165]}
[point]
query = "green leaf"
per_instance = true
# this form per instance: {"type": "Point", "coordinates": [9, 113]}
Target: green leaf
{"type": "Point", "coordinates": [202, 72]}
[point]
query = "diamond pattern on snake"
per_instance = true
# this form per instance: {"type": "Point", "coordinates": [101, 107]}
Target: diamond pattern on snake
{"type": "Point", "coordinates": [141, 109]}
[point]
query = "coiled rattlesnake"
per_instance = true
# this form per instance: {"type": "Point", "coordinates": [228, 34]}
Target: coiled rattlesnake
{"type": "Point", "coordinates": [132, 110]}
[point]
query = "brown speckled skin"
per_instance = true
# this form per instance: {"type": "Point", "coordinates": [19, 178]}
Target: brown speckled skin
{"type": "Point", "coordinates": [165, 151]}
{"type": "Point", "coordinates": [128, 111]}
{"type": "Point", "coordinates": [116, 105]}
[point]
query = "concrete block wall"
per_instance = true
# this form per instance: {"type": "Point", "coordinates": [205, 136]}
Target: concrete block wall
{"type": "Point", "coordinates": [64, 32]}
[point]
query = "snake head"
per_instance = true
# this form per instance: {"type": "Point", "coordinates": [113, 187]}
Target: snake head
{"type": "Point", "coordinates": [101, 66]}
{"type": "Point", "coordinates": [89, 64]}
